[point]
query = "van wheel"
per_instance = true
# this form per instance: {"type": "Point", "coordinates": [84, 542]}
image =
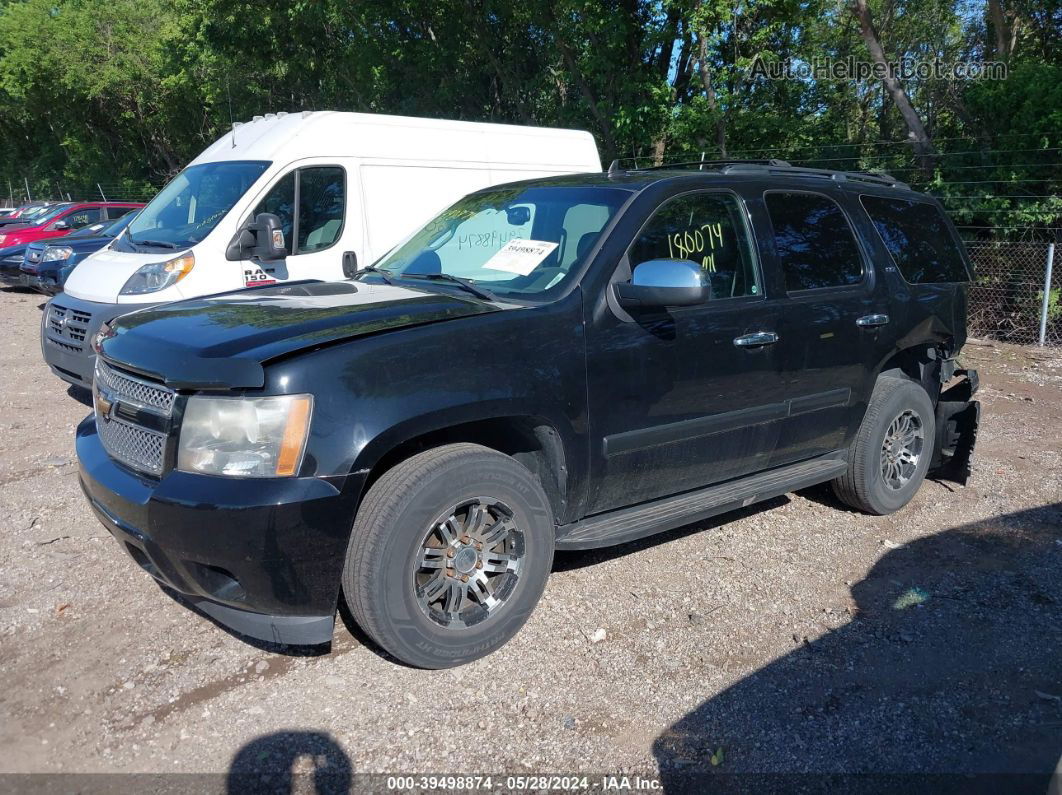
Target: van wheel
{"type": "Point", "coordinates": [449, 555]}
{"type": "Point", "coordinates": [888, 460]}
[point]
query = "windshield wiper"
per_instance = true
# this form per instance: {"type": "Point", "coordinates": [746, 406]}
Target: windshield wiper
{"type": "Point", "coordinates": [383, 273]}
{"type": "Point", "coordinates": [464, 284]}
{"type": "Point", "coordinates": [156, 243]}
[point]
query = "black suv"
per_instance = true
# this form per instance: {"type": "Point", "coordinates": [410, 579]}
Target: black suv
{"type": "Point", "coordinates": [563, 363]}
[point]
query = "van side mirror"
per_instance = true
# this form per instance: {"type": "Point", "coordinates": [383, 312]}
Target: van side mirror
{"type": "Point", "coordinates": [350, 264]}
{"type": "Point", "coordinates": [262, 238]}
{"type": "Point", "coordinates": [664, 282]}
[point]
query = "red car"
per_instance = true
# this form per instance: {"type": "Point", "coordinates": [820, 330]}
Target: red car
{"type": "Point", "coordinates": [63, 219]}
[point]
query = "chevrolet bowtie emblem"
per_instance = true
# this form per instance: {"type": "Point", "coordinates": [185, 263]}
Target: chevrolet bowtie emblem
{"type": "Point", "coordinates": [104, 407]}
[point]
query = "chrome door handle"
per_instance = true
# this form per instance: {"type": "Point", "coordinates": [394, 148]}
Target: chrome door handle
{"type": "Point", "coordinates": [869, 321]}
{"type": "Point", "coordinates": [757, 339]}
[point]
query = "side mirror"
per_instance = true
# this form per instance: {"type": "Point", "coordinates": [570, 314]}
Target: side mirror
{"type": "Point", "coordinates": [262, 238]}
{"type": "Point", "coordinates": [664, 282]}
{"type": "Point", "coordinates": [518, 215]}
{"type": "Point", "coordinates": [350, 264]}
{"type": "Point", "coordinates": [59, 226]}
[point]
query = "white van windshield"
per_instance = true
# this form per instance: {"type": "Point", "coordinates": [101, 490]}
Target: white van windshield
{"type": "Point", "coordinates": [192, 204]}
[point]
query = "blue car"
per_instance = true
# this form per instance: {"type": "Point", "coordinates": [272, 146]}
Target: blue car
{"type": "Point", "coordinates": [11, 257]}
{"type": "Point", "coordinates": [47, 263]}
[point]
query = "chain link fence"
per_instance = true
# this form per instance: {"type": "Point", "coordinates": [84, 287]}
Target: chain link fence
{"type": "Point", "coordinates": [1007, 298]}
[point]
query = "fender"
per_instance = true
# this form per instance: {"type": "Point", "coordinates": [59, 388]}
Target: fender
{"type": "Point", "coordinates": [506, 425]}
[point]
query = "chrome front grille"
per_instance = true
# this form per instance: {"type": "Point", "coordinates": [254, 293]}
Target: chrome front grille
{"type": "Point", "coordinates": [128, 388]}
{"type": "Point", "coordinates": [132, 445]}
{"type": "Point", "coordinates": [71, 325]}
{"type": "Point", "coordinates": [119, 397]}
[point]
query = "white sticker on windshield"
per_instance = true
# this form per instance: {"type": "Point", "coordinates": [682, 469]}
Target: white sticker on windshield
{"type": "Point", "coordinates": [520, 256]}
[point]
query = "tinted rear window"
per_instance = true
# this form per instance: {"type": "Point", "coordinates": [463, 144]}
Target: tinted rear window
{"type": "Point", "coordinates": [814, 242]}
{"type": "Point", "coordinates": [918, 237]}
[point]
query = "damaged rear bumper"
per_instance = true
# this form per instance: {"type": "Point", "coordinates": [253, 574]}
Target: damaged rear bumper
{"type": "Point", "coordinates": [958, 417]}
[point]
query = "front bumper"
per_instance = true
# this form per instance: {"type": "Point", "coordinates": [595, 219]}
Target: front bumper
{"type": "Point", "coordinates": [260, 556]}
{"type": "Point", "coordinates": [11, 274]}
{"type": "Point", "coordinates": [46, 278]}
{"type": "Point", "coordinates": [67, 329]}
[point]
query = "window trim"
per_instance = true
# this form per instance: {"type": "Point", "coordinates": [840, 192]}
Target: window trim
{"type": "Point", "coordinates": [624, 263]}
{"type": "Point", "coordinates": [955, 239]}
{"type": "Point", "coordinates": [295, 201]}
{"type": "Point", "coordinates": [866, 262]}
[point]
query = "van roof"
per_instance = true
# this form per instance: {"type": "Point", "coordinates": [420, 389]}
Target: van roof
{"type": "Point", "coordinates": [293, 136]}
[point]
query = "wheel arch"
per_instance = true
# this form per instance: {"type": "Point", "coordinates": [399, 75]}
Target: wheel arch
{"type": "Point", "coordinates": [534, 441]}
{"type": "Point", "coordinates": [922, 362]}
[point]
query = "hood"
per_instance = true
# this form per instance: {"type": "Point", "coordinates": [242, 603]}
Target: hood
{"type": "Point", "coordinates": [75, 243]}
{"type": "Point", "coordinates": [221, 342]}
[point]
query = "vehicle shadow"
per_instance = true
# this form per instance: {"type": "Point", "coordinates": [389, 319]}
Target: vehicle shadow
{"type": "Point", "coordinates": [80, 394]}
{"type": "Point", "coordinates": [947, 678]}
{"type": "Point", "coordinates": [290, 761]}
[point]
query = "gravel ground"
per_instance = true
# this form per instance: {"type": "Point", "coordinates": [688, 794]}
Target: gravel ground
{"type": "Point", "coordinates": [794, 636]}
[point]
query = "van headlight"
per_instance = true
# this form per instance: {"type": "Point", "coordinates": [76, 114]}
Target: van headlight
{"type": "Point", "coordinates": [159, 275]}
{"type": "Point", "coordinates": [244, 437]}
{"type": "Point", "coordinates": [52, 253]}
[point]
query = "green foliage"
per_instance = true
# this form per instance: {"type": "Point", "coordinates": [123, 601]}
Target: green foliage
{"type": "Point", "coordinates": [124, 92]}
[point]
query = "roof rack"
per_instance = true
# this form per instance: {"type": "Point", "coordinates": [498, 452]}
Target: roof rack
{"type": "Point", "coordinates": [616, 166]}
{"type": "Point", "coordinates": [772, 166]}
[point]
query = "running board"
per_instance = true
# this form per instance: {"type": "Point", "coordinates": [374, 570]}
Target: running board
{"type": "Point", "coordinates": [629, 524]}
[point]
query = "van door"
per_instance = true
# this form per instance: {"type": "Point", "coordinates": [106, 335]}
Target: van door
{"type": "Point", "coordinates": [314, 203]}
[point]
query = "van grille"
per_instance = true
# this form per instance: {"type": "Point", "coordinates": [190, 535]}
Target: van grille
{"type": "Point", "coordinates": [135, 445]}
{"type": "Point", "coordinates": [69, 325]}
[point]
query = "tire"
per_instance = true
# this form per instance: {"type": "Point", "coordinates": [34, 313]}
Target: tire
{"type": "Point", "coordinates": [444, 500]}
{"type": "Point", "coordinates": [865, 486]}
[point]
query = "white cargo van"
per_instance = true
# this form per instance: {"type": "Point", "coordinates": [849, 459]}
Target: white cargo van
{"type": "Point", "coordinates": [293, 196]}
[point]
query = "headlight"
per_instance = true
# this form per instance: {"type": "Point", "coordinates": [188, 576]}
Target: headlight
{"type": "Point", "coordinates": [245, 437]}
{"type": "Point", "coordinates": [3, 238]}
{"type": "Point", "coordinates": [52, 253]}
{"type": "Point", "coordinates": [159, 275]}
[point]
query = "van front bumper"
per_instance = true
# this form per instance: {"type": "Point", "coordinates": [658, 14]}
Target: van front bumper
{"type": "Point", "coordinates": [67, 330]}
{"type": "Point", "coordinates": [260, 556]}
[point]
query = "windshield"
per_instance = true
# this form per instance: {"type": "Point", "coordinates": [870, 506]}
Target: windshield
{"type": "Point", "coordinates": [519, 241]}
{"type": "Point", "coordinates": [114, 228]}
{"type": "Point", "coordinates": [45, 214]}
{"type": "Point", "coordinates": [192, 204]}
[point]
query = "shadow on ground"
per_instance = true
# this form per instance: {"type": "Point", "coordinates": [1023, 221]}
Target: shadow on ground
{"type": "Point", "coordinates": [291, 761]}
{"type": "Point", "coordinates": [952, 664]}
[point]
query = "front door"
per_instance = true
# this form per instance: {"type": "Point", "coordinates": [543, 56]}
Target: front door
{"type": "Point", "coordinates": [312, 204]}
{"type": "Point", "coordinates": [680, 398]}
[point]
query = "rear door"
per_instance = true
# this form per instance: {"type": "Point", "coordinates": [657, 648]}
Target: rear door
{"type": "Point", "coordinates": [832, 317]}
{"type": "Point", "coordinates": [676, 401]}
